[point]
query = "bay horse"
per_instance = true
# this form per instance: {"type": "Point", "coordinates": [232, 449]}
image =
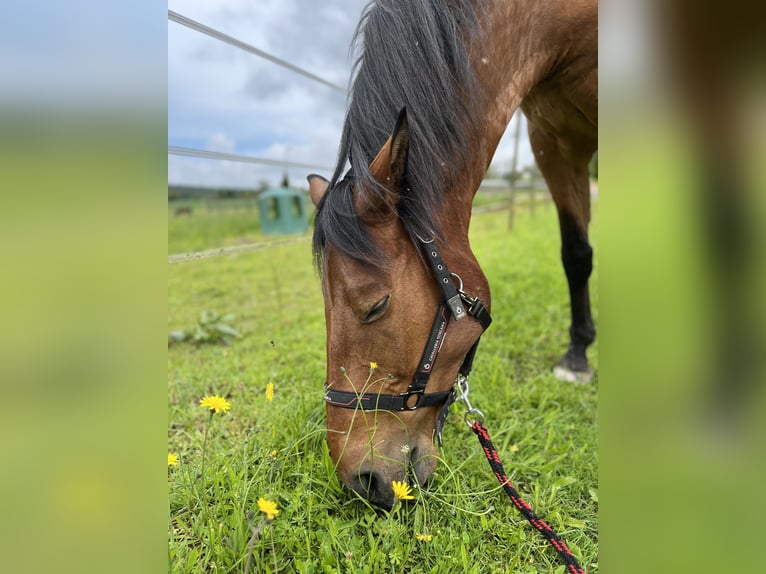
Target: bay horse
{"type": "Point", "coordinates": [434, 86]}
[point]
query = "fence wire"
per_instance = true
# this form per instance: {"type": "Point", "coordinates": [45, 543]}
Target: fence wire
{"type": "Point", "coordinates": [208, 253]}
{"type": "Point", "coordinates": [175, 150]}
{"type": "Point", "coordinates": [218, 35]}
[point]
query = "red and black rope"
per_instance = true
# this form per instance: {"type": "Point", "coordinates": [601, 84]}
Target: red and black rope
{"type": "Point", "coordinates": [540, 525]}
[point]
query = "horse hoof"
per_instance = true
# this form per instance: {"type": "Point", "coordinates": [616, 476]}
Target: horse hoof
{"type": "Point", "coordinates": [570, 376]}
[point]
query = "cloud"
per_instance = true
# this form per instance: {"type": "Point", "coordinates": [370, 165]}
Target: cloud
{"type": "Point", "coordinates": [222, 143]}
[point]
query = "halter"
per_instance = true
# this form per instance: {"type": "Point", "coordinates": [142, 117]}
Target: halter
{"type": "Point", "coordinates": [454, 302]}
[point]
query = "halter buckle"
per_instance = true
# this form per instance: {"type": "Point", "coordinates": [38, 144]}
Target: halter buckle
{"type": "Point", "coordinates": [456, 307]}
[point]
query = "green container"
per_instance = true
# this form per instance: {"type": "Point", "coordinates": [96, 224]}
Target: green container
{"type": "Point", "coordinates": [283, 211]}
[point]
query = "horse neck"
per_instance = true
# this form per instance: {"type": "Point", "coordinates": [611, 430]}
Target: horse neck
{"type": "Point", "coordinates": [507, 64]}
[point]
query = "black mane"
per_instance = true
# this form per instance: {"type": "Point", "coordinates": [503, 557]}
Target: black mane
{"type": "Point", "coordinates": [413, 54]}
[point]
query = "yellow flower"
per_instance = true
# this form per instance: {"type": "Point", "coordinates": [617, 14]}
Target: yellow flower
{"type": "Point", "coordinates": [172, 459]}
{"type": "Point", "coordinates": [215, 403]}
{"type": "Point", "coordinates": [402, 490]}
{"type": "Point", "coordinates": [424, 537]}
{"type": "Point", "coordinates": [268, 507]}
{"type": "Point", "coordinates": [373, 365]}
{"type": "Point", "coordinates": [270, 392]}
{"type": "Point", "coordinates": [274, 453]}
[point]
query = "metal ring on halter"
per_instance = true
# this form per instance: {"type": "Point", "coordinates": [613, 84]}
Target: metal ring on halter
{"type": "Point", "coordinates": [459, 280]}
{"type": "Point", "coordinates": [433, 237]}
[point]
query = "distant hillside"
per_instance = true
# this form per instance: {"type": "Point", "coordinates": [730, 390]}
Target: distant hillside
{"type": "Point", "coordinates": [176, 192]}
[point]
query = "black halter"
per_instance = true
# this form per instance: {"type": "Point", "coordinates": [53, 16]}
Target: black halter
{"type": "Point", "coordinates": [454, 302]}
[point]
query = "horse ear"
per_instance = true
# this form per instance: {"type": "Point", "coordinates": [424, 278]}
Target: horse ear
{"type": "Point", "coordinates": [317, 187]}
{"type": "Point", "coordinates": [400, 149]}
{"type": "Point", "coordinates": [390, 164]}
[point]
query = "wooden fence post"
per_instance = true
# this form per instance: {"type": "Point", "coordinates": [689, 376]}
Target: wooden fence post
{"type": "Point", "coordinates": [514, 163]}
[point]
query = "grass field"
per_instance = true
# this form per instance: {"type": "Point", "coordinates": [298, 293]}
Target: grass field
{"type": "Point", "coordinates": [213, 223]}
{"type": "Point", "coordinates": [546, 431]}
{"type": "Point", "coordinates": [225, 222]}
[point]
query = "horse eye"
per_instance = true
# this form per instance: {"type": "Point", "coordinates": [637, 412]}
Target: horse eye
{"type": "Point", "coordinates": [377, 310]}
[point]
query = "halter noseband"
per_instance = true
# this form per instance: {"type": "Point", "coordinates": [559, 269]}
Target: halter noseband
{"type": "Point", "coordinates": [454, 302]}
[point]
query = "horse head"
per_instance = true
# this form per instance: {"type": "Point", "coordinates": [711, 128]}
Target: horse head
{"type": "Point", "coordinates": [379, 318]}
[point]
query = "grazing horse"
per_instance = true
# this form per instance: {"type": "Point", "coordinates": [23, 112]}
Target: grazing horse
{"type": "Point", "coordinates": [183, 211]}
{"type": "Point", "coordinates": [435, 85]}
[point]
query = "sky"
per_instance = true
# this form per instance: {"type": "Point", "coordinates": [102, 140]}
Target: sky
{"type": "Point", "coordinates": [221, 98]}
{"type": "Point", "coordinates": [81, 55]}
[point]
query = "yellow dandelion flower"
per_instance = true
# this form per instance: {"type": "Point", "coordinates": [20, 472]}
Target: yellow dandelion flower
{"type": "Point", "coordinates": [373, 365]}
{"type": "Point", "coordinates": [268, 507]}
{"type": "Point", "coordinates": [274, 453]}
{"type": "Point", "coordinates": [424, 537]}
{"type": "Point", "coordinates": [172, 459]}
{"type": "Point", "coordinates": [270, 392]}
{"type": "Point", "coordinates": [402, 490]}
{"type": "Point", "coordinates": [215, 403]}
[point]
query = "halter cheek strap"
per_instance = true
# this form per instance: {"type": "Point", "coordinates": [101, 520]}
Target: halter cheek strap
{"type": "Point", "coordinates": [454, 302]}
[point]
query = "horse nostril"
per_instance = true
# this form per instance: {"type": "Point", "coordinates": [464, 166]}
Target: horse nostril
{"type": "Point", "coordinates": [367, 483]}
{"type": "Point", "coordinates": [421, 464]}
{"type": "Point", "coordinates": [371, 486]}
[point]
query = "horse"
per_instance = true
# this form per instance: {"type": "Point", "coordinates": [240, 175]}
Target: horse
{"type": "Point", "coordinates": [182, 211]}
{"type": "Point", "coordinates": [434, 85]}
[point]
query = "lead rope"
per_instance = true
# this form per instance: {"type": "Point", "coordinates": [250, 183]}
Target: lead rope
{"type": "Point", "coordinates": [497, 467]}
{"type": "Point", "coordinates": [540, 525]}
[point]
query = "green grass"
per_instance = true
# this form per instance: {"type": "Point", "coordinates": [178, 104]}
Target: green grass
{"type": "Point", "coordinates": [544, 430]}
{"type": "Point", "coordinates": [497, 199]}
{"type": "Point", "coordinates": [213, 223]}
{"type": "Point", "coordinates": [225, 222]}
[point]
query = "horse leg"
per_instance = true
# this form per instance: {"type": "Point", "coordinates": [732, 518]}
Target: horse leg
{"type": "Point", "coordinates": [564, 165]}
